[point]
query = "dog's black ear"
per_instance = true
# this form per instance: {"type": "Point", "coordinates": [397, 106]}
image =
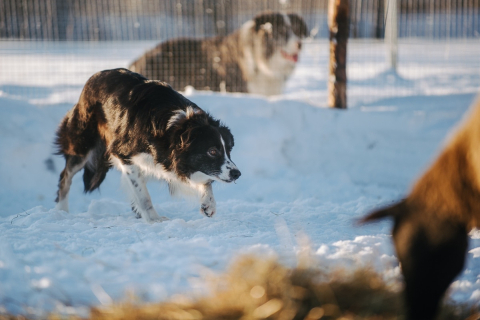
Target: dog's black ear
{"type": "Point", "coordinates": [390, 211]}
{"type": "Point", "coordinates": [299, 27]}
{"type": "Point", "coordinates": [179, 117]}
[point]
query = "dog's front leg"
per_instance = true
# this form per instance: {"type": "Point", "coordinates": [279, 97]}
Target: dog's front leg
{"type": "Point", "coordinates": [208, 206]}
{"type": "Point", "coordinates": [73, 164]}
{"type": "Point", "coordinates": [139, 195]}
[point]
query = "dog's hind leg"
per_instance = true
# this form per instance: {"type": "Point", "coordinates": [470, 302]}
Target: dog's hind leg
{"type": "Point", "coordinates": [137, 189]}
{"type": "Point", "coordinates": [73, 164]}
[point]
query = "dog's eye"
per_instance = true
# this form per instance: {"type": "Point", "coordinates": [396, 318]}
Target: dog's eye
{"type": "Point", "coordinates": [212, 152]}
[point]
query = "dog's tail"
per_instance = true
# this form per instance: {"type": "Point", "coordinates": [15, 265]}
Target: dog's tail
{"type": "Point", "coordinates": [390, 211]}
{"type": "Point", "coordinates": [96, 168]}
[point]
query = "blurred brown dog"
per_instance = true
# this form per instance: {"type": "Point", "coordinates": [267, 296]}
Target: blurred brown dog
{"type": "Point", "coordinates": [431, 224]}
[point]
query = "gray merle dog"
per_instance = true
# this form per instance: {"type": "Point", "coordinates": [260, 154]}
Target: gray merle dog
{"type": "Point", "coordinates": [258, 58]}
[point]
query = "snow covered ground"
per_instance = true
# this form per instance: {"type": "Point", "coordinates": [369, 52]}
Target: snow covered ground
{"type": "Point", "coordinates": [307, 173]}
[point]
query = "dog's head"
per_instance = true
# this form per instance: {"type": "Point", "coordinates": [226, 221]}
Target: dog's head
{"type": "Point", "coordinates": [201, 147]}
{"type": "Point", "coordinates": [280, 34]}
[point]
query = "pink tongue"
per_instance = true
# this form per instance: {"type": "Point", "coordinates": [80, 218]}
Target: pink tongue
{"type": "Point", "coordinates": [291, 57]}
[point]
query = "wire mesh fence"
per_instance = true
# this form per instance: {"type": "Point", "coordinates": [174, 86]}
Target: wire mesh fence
{"type": "Point", "coordinates": [119, 20]}
{"type": "Point", "coordinates": [48, 46]}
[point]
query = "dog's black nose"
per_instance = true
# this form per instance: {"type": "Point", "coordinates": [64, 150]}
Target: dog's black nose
{"type": "Point", "coordinates": [235, 174]}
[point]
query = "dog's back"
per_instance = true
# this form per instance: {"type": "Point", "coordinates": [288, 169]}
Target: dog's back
{"type": "Point", "coordinates": [176, 61]}
{"type": "Point", "coordinates": [432, 223]}
{"type": "Point", "coordinates": [204, 64]}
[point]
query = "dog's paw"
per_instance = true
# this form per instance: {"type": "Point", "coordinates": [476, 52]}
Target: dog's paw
{"type": "Point", "coordinates": [62, 205]}
{"type": "Point", "coordinates": [208, 207]}
{"type": "Point", "coordinates": [136, 212]}
{"type": "Point", "coordinates": [155, 219]}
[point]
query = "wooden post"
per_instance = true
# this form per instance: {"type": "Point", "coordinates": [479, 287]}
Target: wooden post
{"type": "Point", "coordinates": [338, 24]}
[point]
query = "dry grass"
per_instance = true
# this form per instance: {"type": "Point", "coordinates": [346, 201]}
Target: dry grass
{"type": "Point", "coordinates": [255, 288]}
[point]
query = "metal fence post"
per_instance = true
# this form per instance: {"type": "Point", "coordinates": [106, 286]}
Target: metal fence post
{"type": "Point", "coordinates": [391, 33]}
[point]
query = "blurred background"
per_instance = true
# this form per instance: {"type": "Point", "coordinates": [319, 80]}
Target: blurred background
{"type": "Point", "coordinates": [131, 20]}
{"type": "Point", "coordinates": [61, 43]}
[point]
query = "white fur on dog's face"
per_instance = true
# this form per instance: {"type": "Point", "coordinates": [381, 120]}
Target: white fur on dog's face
{"type": "Point", "coordinates": [228, 171]}
{"type": "Point", "coordinates": [227, 167]}
{"type": "Point", "coordinates": [291, 49]}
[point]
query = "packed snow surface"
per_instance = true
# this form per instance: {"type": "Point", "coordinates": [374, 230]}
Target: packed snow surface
{"type": "Point", "coordinates": [308, 173]}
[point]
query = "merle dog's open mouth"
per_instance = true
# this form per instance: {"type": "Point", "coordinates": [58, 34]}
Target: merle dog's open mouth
{"type": "Point", "coordinates": [291, 57]}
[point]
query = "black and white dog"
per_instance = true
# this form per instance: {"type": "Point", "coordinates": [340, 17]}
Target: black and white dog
{"type": "Point", "coordinates": [257, 58]}
{"type": "Point", "coordinates": [145, 129]}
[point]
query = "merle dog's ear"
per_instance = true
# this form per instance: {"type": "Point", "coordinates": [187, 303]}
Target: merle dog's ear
{"type": "Point", "coordinates": [227, 138]}
{"type": "Point", "coordinates": [299, 27]}
{"type": "Point", "coordinates": [262, 19]}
